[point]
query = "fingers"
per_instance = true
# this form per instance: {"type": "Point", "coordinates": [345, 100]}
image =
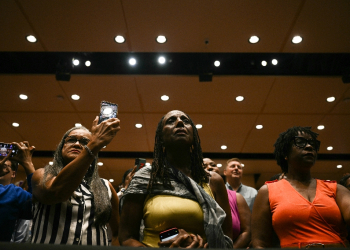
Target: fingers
{"type": "Point", "coordinates": [177, 243]}
{"type": "Point", "coordinates": [195, 241]}
{"type": "Point", "coordinates": [206, 245]}
{"type": "Point", "coordinates": [133, 171]}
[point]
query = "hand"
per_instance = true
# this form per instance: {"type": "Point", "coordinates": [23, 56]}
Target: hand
{"type": "Point", "coordinates": [25, 152]}
{"type": "Point", "coordinates": [103, 133]}
{"type": "Point", "coordinates": [128, 178]}
{"type": "Point", "coordinates": [184, 240]}
{"type": "Point", "coordinates": [24, 156]}
{"type": "Point", "coordinates": [5, 169]}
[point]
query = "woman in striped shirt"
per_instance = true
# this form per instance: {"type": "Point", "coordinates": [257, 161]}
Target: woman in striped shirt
{"type": "Point", "coordinates": [72, 204]}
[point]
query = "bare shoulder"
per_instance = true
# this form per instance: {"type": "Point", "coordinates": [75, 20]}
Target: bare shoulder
{"type": "Point", "coordinates": [239, 196]}
{"type": "Point", "coordinates": [263, 190]}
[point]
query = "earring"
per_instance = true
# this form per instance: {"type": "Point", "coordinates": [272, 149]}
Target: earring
{"type": "Point", "coordinates": [191, 148]}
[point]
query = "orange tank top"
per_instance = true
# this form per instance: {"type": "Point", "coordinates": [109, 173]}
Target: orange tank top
{"type": "Point", "coordinates": [297, 221]}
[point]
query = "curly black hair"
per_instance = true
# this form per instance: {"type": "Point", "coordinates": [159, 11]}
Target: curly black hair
{"type": "Point", "coordinates": [160, 167]}
{"type": "Point", "coordinates": [284, 142]}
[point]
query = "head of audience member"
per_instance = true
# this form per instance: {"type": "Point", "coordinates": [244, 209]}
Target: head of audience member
{"type": "Point", "coordinates": [297, 145]}
{"type": "Point", "coordinates": [70, 146]}
{"type": "Point", "coordinates": [176, 132]}
{"type": "Point", "coordinates": [210, 165]}
{"type": "Point", "coordinates": [125, 175]}
{"type": "Point", "coordinates": [233, 170]}
{"type": "Point", "coordinates": [9, 167]}
{"type": "Point", "coordinates": [345, 181]}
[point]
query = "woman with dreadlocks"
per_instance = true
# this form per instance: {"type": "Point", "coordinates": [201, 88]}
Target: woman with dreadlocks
{"type": "Point", "coordinates": [303, 211]}
{"type": "Point", "coordinates": [72, 204]}
{"type": "Point", "coordinates": [174, 193]}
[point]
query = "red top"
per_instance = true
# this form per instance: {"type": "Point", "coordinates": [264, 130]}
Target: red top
{"type": "Point", "coordinates": [297, 221]}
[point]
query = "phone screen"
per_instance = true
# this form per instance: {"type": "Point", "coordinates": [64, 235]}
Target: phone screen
{"type": "Point", "coordinates": [108, 110]}
{"type": "Point", "coordinates": [140, 162]}
{"type": "Point", "coordinates": [6, 148]}
{"type": "Point", "coordinates": [168, 234]}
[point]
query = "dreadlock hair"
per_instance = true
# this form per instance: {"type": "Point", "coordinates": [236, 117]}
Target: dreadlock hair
{"type": "Point", "coordinates": [101, 204]}
{"type": "Point", "coordinates": [344, 179]}
{"type": "Point", "coordinates": [160, 168]}
{"type": "Point", "coordinates": [284, 142]}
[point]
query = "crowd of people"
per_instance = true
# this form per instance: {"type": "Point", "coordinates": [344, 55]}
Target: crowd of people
{"type": "Point", "coordinates": [180, 195]}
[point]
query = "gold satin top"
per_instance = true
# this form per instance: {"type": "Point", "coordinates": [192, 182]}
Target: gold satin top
{"type": "Point", "coordinates": [162, 212]}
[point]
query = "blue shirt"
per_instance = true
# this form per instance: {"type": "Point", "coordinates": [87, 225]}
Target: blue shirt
{"type": "Point", "coordinates": [15, 203]}
{"type": "Point", "coordinates": [248, 193]}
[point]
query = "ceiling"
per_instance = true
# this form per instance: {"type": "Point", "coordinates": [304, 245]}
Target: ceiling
{"type": "Point", "coordinates": [274, 101]}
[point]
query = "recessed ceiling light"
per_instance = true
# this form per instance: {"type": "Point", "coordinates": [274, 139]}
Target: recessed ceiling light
{"type": "Point", "coordinates": [78, 124]}
{"type": "Point", "coordinates": [100, 163]}
{"type": "Point", "coordinates": [274, 61]}
{"type": "Point", "coordinates": [239, 98]}
{"type": "Point", "coordinates": [51, 163]}
{"type": "Point", "coordinates": [161, 59]}
{"type": "Point", "coordinates": [132, 61]}
{"type": "Point", "coordinates": [148, 164]}
{"type": "Point", "coordinates": [254, 39]}
{"type": "Point", "coordinates": [219, 165]}
{"type": "Point", "coordinates": [329, 148]}
{"type": "Point", "coordinates": [119, 39]}
{"type": "Point", "coordinates": [75, 97]}
{"type": "Point", "coordinates": [339, 166]}
{"type": "Point", "coordinates": [217, 63]}
{"type": "Point", "coordinates": [297, 39]}
{"type": "Point", "coordinates": [31, 38]}
{"type": "Point", "coordinates": [263, 63]}
{"type": "Point", "coordinates": [104, 146]}
{"type": "Point", "coordinates": [23, 96]}
{"type": "Point", "coordinates": [259, 126]}
{"type": "Point", "coordinates": [76, 62]}
{"type": "Point", "coordinates": [138, 125]}
{"type": "Point", "coordinates": [242, 164]}
{"type": "Point", "coordinates": [223, 147]}
{"type": "Point", "coordinates": [87, 63]}
{"type": "Point", "coordinates": [161, 39]}
{"type": "Point", "coordinates": [164, 97]}
{"type": "Point", "coordinates": [320, 127]}
{"type": "Point", "coordinates": [15, 124]}
{"type": "Point", "coordinates": [199, 126]}
{"type": "Point", "coordinates": [111, 180]}
{"type": "Point", "coordinates": [331, 99]}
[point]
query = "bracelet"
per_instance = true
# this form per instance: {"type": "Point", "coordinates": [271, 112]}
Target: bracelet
{"type": "Point", "coordinates": [89, 151]}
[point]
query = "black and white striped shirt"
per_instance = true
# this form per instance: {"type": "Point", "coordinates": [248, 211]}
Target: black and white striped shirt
{"type": "Point", "coordinates": [70, 222]}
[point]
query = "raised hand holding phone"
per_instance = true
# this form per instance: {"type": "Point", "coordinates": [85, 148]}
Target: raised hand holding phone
{"type": "Point", "coordinates": [108, 110]}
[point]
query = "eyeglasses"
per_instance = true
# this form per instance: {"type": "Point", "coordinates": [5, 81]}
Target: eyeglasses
{"type": "Point", "coordinates": [73, 140]}
{"type": "Point", "coordinates": [301, 142]}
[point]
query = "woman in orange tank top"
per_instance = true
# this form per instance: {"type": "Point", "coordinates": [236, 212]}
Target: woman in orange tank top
{"type": "Point", "coordinates": [303, 211]}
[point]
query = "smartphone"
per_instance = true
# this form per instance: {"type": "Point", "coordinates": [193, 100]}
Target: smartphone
{"type": "Point", "coordinates": [168, 234]}
{"type": "Point", "coordinates": [108, 110]}
{"type": "Point", "coordinates": [140, 162]}
{"type": "Point", "coordinates": [6, 148]}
